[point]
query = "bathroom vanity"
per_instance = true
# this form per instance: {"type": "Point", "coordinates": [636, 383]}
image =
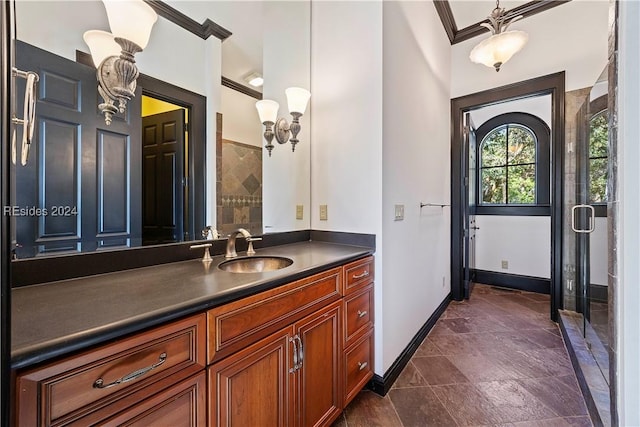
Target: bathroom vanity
{"type": "Point", "coordinates": [189, 344]}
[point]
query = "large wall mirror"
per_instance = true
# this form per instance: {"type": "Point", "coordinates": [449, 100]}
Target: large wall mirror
{"type": "Point", "coordinates": [187, 154]}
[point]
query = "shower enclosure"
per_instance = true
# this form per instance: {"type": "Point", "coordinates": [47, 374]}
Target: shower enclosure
{"type": "Point", "coordinates": [585, 251]}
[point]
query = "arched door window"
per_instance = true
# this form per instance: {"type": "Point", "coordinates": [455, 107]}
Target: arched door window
{"type": "Point", "coordinates": [513, 163]}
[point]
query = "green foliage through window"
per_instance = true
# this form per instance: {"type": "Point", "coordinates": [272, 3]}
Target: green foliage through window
{"type": "Point", "coordinates": [508, 166]}
{"type": "Point", "coordinates": [598, 157]}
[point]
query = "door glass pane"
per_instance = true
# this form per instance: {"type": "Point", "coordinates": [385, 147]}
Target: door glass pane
{"type": "Point", "coordinates": [493, 151]}
{"type": "Point", "coordinates": [598, 180]}
{"type": "Point", "coordinates": [522, 145]}
{"type": "Point", "coordinates": [522, 184]}
{"type": "Point", "coordinates": [494, 185]}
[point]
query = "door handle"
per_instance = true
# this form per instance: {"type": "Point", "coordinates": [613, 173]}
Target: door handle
{"type": "Point", "coordinates": [295, 355]}
{"type": "Point", "coordinates": [301, 350]}
{"type": "Point", "coordinates": [592, 222]}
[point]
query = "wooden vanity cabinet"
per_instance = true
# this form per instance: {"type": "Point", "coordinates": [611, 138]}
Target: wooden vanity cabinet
{"type": "Point", "coordinates": [358, 327]}
{"type": "Point", "coordinates": [292, 356]}
{"type": "Point", "coordinates": [98, 384]}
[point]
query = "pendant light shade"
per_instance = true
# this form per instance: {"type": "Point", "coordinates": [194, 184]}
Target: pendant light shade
{"type": "Point", "coordinates": [503, 44]}
{"type": "Point", "coordinates": [499, 48]}
{"type": "Point", "coordinates": [267, 110]}
{"type": "Point", "coordinates": [297, 99]}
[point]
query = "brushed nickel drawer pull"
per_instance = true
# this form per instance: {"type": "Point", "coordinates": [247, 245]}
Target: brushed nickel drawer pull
{"type": "Point", "coordinates": [362, 313]}
{"type": "Point", "coordinates": [295, 355]}
{"type": "Point", "coordinates": [360, 276]}
{"type": "Point", "coordinates": [362, 365]}
{"type": "Point", "coordinates": [301, 350]}
{"type": "Point", "coordinates": [132, 376]}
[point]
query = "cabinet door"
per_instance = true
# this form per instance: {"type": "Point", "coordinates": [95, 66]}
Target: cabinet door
{"type": "Point", "coordinates": [181, 405]}
{"type": "Point", "coordinates": [252, 387]}
{"type": "Point", "coordinates": [319, 396]}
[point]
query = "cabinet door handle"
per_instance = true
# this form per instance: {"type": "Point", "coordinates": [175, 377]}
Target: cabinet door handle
{"type": "Point", "coordinates": [362, 313]}
{"type": "Point", "coordinates": [362, 365]}
{"type": "Point", "coordinates": [99, 383]}
{"type": "Point", "coordinates": [301, 350]}
{"type": "Point", "coordinates": [295, 355]}
{"type": "Point", "coordinates": [360, 276]}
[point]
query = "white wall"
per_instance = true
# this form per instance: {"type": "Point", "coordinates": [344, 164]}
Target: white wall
{"type": "Point", "coordinates": [523, 241]}
{"type": "Point", "coordinates": [571, 37]}
{"type": "Point", "coordinates": [415, 168]}
{"type": "Point", "coordinates": [346, 100]}
{"type": "Point", "coordinates": [539, 106]}
{"type": "Point", "coordinates": [627, 315]}
{"type": "Point", "coordinates": [240, 121]}
{"type": "Point", "coordinates": [287, 62]}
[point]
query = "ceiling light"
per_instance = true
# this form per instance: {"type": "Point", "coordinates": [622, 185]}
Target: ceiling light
{"type": "Point", "coordinates": [503, 44]}
{"type": "Point", "coordinates": [254, 79]}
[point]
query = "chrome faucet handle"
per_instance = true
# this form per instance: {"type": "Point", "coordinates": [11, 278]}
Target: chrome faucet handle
{"type": "Point", "coordinates": [207, 255]}
{"type": "Point", "coordinates": [250, 240]}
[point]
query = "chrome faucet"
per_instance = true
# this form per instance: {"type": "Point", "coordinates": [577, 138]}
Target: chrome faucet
{"type": "Point", "coordinates": [231, 243]}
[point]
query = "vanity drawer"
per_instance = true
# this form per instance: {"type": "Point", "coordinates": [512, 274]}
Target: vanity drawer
{"type": "Point", "coordinates": [358, 314]}
{"type": "Point", "coordinates": [236, 325]}
{"type": "Point", "coordinates": [63, 392]}
{"type": "Point", "coordinates": [358, 274]}
{"type": "Point", "coordinates": [358, 366]}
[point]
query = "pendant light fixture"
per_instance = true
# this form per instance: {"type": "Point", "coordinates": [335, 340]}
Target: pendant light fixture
{"type": "Point", "coordinates": [503, 44]}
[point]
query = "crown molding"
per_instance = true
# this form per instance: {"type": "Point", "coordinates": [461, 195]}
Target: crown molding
{"type": "Point", "coordinates": [443, 8]}
{"type": "Point", "coordinates": [205, 30]}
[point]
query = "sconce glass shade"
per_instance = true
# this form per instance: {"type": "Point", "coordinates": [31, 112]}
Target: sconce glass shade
{"type": "Point", "coordinates": [297, 99]}
{"type": "Point", "coordinates": [131, 20]}
{"type": "Point", "coordinates": [267, 110]}
{"type": "Point", "coordinates": [101, 45]}
{"type": "Point", "coordinates": [499, 48]}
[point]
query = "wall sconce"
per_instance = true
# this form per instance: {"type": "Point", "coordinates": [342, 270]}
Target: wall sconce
{"type": "Point", "coordinates": [113, 53]}
{"type": "Point", "coordinates": [503, 44]}
{"type": "Point", "coordinates": [297, 99]}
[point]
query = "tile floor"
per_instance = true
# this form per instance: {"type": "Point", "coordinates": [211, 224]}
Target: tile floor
{"type": "Point", "coordinates": [495, 360]}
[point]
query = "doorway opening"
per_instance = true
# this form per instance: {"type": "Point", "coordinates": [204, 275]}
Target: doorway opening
{"type": "Point", "coordinates": [174, 123]}
{"type": "Point", "coordinates": [165, 137]}
{"type": "Point", "coordinates": [483, 185]}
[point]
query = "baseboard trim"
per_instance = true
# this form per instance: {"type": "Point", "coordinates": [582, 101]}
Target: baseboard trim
{"type": "Point", "coordinates": [599, 293]}
{"type": "Point", "coordinates": [513, 281]}
{"type": "Point", "coordinates": [382, 384]}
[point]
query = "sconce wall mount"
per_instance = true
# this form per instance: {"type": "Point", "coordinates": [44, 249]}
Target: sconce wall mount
{"type": "Point", "coordinates": [114, 54]}
{"type": "Point", "coordinates": [297, 99]}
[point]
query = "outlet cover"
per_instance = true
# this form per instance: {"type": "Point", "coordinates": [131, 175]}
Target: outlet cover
{"type": "Point", "coordinates": [399, 212]}
{"type": "Point", "coordinates": [323, 213]}
{"type": "Point", "coordinates": [505, 265]}
{"type": "Point", "coordinates": [299, 211]}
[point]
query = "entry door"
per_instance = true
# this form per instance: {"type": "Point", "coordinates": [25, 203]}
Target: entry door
{"type": "Point", "coordinates": [469, 205]}
{"type": "Point", "coordinates": [163, 177]}
{"type": "Point", "coordinates": [80, 170]}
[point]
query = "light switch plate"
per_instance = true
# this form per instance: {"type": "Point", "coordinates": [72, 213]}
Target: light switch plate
{"type": "Point", "coordinates": [299, 211]}
{"type": "Point", "coordinates": [505, 265]}
{"type": "Point", "coordinates": [323, 212]}
{"type": "Point", "coordinates": [399, 212]}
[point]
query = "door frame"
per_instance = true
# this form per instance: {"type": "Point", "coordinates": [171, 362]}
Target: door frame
{"type": "Point", "coordinates": [554, 85]}
{"type": "Point", "coordinates": [196, 145]}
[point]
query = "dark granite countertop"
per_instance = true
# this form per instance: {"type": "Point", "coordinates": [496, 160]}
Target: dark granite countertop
{"type": "Point", "coordinates": [57, 318]}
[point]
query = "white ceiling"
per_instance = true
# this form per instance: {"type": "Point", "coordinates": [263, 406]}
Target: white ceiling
{"type": "Point", "coordinates": [242, 52]}
{"type": "Point", "coordinates": [469, 12]}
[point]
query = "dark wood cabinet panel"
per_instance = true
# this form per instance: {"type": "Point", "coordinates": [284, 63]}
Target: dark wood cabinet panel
{"type": "Point", "coordinates": [183, 405]}
{"type": "Point", "coordinates": [358, 274]}
{"type": "Point", "coordinates": [358, 366]}
{"type": "Point", "coordinates": [358, 314]}
{"type": "Point", "coordinates": [243, 322]}
{"type": "Point", "coordinates": [67, 391]}
{"type": "Point", "coordinates": [252, 387]}
{"type": "Point", "coordinates": [319, 392]}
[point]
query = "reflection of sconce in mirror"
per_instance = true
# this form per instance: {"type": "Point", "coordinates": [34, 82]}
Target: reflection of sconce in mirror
{"type": "Point", "coordinates": [297, 99]}
{"type": "Point", "coordinates": [113, 53]}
